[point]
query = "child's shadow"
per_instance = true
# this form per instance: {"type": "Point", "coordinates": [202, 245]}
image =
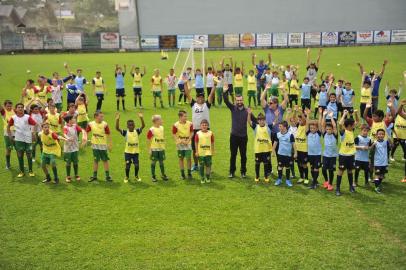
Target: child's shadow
{"type": "Point", "coordinates": [138, 185]}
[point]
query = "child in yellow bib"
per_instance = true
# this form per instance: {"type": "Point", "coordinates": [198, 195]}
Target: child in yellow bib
{"type": "Point", "coordinates": [156, 146]}
{"type": "Point", "coordinates": [204, 140]}
{"type": "Point", "coordinates": [156, 87]}
{"type": "Point", "coordinates": [7, 112]}
{"type": "Point", "coordinates": [132, 146]}
{"type": "Point", "coordinates": [182, 132]}
{"type": "Point", "coordinates": [366, 93]}
{"type": "Point", "coordinates": [50, 150]}
{"type": "Point", "coordinates": [81, 109]}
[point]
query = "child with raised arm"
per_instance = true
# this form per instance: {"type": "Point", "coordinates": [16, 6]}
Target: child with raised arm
{"type": "Point", "coordinates": [251, 87]}
{"type": "Point", "coordinates": [120, 86]}
{"type": "Point", "coordinates": [381, 149]}
{"type": "Point", "coordinates": [50, 150]}
{"type": "Point", "coordinates": [366, 93]}
{"type": "Point", "coordinates": [171, 82]}
{"type": "Point", "coordinates": [137, 84]}
{"type": "Point", "coordinates": [72, 130]}
{"type": "Point", "coordinates": [53, 118]}
{"type": "Point", "coordinates": [347, 151]}
{"type": "Point", "coordinates": [182, 132]}
{"type": "Point", "coordinates": [219, 83]}
{"type": "Point", "coordinates": [132, 146]}
{"type": "Point", "coordinates": [330, 152]}
{"type": "Point", "coordinates": [156, 87]}
{"type": "Point", "coordinates": [101, 143]}
{"type": "Point", "coordinates": [37, 114]}
{"type": "Point", "coordinates": [182, 84]}
{"type": "Point", "coordinates": [156, 146]}
{"type": "Point", "coordinates": [99, 89]}
{"type": "Point", "coordinates": [204, 140]}
{"type": "Point", "coordinates": [239, 79]}
{"type": "Point", "coordinates": [285, 142]}
{"type": "Point", "coordinates": [362, 145]}
{"type": "Point", "coordinates": [7, 112]}
{"type": "Point", "coordinates": [81, 110]}
{"type": "Point", "coordinates": [314, 147]}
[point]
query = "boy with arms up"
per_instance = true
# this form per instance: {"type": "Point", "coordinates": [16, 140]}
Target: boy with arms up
{"type": "Point", "coordinates": [137, 84]}
{"type": "Point", "coordinates": [381, 154]}
{"type": "Point", "coordinates": [156, 87]}
{"type": "Point", "coordinates": [132, 148]}
{"type": "Point", "coordinates": [330, 153]}
{"type": "Point", "coordinates": [156, 146]}
{"type": "Point", "coordinates": [182, 132]}
{"type": "Point", "coordinates": [120, 85]}
{"type": "Point", "coordinates": [204, 140]}
{"type": "Point", "coordinates": [314, 146]}
{"type": "Point", "coordinates": [101, 142]}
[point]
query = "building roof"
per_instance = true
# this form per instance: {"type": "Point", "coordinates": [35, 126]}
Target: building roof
{"type": "Point", "coordinates": [6, 10]}
{"type": "Point", "coordinates": [21, 11]}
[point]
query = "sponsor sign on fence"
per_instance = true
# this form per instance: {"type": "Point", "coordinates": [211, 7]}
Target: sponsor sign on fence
{"type": "Point", "coordinates": [216, 41]}
{"type": "Point", "coordinates": [32, 41]}
{"type": "Point", "coordinates": [53, 41]}
{"type": "Point", "coordinates": [398, 36]}
{"type": "Point", "coordinates": [247, 40]}
{"type": "Point", "coordinates": [312, 39]}
{"type": "Point", "coordinates": [109, 40]}
{"type": "Point", "coordinates": [264, 40]}
{"type": "Point", "coordinates": [382, 36]}
{"type": "Point", "coordinates": [295, 39]}
{"type": "Point", "coordinates": [329, 38]}
{"type": "Point", "coordinates": [346, 38]}
{"type": "Point", "coordinates": [231, 40]}
{"type": "Point", "coordinates": [72, 40]}
{"type": "Point", "coordinates": [130, 42]}
{"type": "Point", "coordinates": [365, 37]}
{"type": "Point", "coordinates": [149, 42]}
{"type": "Point", "coordinates": [280, 39]}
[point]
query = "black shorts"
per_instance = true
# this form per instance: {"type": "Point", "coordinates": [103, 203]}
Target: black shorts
{"type": "Point", "coordinates": [301, 157]}
{"type": "Point", "coordinates": [120, 92]}
{"type": "Point", "coordinates": [293, 98]}
{"type": "Point", "coordinates": [381, 170]}
{"type": "Point", "coordinates": [346, 162]}
{"type": "Point", "coordinates": [329, 163]}
{"type": "Point", "coordinates": [339, 107]}
{"type": "Point", "coordinates": [350, 109]}
{"type": "Point", "coordinates": [362, 165]}
{"type": "Point", "coordinates": [284, 161]}
{"type": "Point", "coordinates": [323, 107]}
{"type": "Point", "coordinates": [100, 96]}
{"type": "Point", "coordinates": [131, 158]}
{"type": "Point", "coordinates": [262, 157]}
{"type": "Point", "coordinates": [230, 88]}
{"type": "Point", "coordinates": [181, 87]}
{"type": "Point", "coordinates": [313, 92]}
{"type": "Point", "coordinates": [315, 161]}
{"type": "Point", "coordinates": [200, 91]}
{"type": "Point", "coordinates": [137, 91]}
{"type": "Point", "coordinates": [306, 103]}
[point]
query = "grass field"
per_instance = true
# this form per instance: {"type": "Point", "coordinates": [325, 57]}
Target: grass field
{"type": "Point", "coordinates": [228, 224]}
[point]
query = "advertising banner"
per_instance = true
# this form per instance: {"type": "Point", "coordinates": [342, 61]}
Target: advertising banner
{"type": "Point", "coordinates": [167, 42]}
{"type": "Point", "coordinates": [295, 39]}
{"type": "Point", "coordinates": [32, 41]}
{"type": "Point", "coordinates": [53, 41]}
{"type": "Point", "coordinates": [329, 38]}
{"type": "Point", "coordinates": [365, 37]}
{"type": "Point", "coordinates": [247, 40]}
{"type": "Point", "coordinates": [109, 40]}
{"type": "Point", "coordinates": [398, 36]}
{"type": "Point", "coordinates": [185, 41]}
{"type": "Point", "coordinates": [150, 42]}
{"type": "Point", "coordinates": [232, 40]}
{"type": "Point", "coordinates": [216, 41]}
{"type": "Point", "coordinates": [72, 40]}
{"type": "Point", "coordinates": [382, 36]}
{"type": "Point", "coordinates": [204, 39]}
{"type": "Point", "coordinates": [12, 42]}
{"type": "Point", "coordinates": [264, 40]}
{"type": "Point", "coordinates": [280, 39]}
{"type": "Point", "coordinates": [130, 42]}
{"type": "Point", "coordinates": [312, 39]}
{"type": "Point", "coordinates": [347, 38]}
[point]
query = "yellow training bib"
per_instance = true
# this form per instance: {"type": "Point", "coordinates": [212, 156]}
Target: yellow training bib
{"type": "Point", "coordinates": [205, 148]}
{"type": "Point", "coordinates": [262, 141]}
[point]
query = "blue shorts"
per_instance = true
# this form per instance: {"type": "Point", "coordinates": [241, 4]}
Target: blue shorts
{"type": "Point", "coordinates": [131, 158]}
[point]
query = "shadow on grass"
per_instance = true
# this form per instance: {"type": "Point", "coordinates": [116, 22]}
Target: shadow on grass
{"type": "Point", "coordinates": [138, 185]}
{"type": "Point", "coordinates": [105, 184]}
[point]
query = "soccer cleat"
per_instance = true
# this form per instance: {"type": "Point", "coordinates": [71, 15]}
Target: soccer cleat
{"type": "Point", "coordinates": [208, 180]}
{"type": "Point", "coordinates": [165, 178]}
{"type": "Point", "coordinates": [278, 182]}
{"type": "Point", "coordinates": [33, 160]}
{"type": "Point", "coordinates": [126, 180]}
{"type": "Point", "coordinates": [338, 193]}
{"type": "Point", "coordinates": [325, 184]}
{"type": "Point", "coordinates": [183, 177]}
{"type": "Point", "coordinates": [231, 175]}
{"type": "Point", "coordinates": [392, 159]}
{"type": "Point", "coordinates": [153, 178]}
{"type": "Point", "coordinates": [306, 181]}
{"type": "Point", "coordinates": [179, 103]}
{"type": "Point", "coordinates": [355, 184]}
{"type": "Point", "coordinates": [92, 178]}
{"type": "Point", "coordinates": [56, 181]}
{"type": "Point", "coordinates": [77, 177]}
{"type": "Point", "coordinates": [68, 179]}
{"type": "Point", "coordinates": [378, 190]}
{"type": "Point", "coordinates": [300, 180]}
{"type": "Point", "coordinates": [243, 175]}
{"type": "Point", "coordinates": [20, 175]}
{"type": "Point", "coordinates": [330, 187]}
{"type": "Point", "coordinates": [313, 186]}
{"type": "Point", "coordinates": [136, 178]}
{"type": "Point", "coordinates": [289, 183]}
{"type": "Point", "coordinates": [46, 180]}
{"type": "Point", "coordinates": [7, 167]}
{"type": "Point", "coordinates": [256, 180]}
{"type": "Point", "coordinates": [202, 181]}
{"type": "Point", "coordinates": [109, 179]}
{"type": "Point", "coordinates": [266, 180]}
{"type": "Point", "coordinates": [352, 189]}
{"type": "Point", "coordinates": [31, 174]}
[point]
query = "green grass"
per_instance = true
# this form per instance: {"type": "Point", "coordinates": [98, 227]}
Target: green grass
{"type": "Point", "coordinates": [182, 224]}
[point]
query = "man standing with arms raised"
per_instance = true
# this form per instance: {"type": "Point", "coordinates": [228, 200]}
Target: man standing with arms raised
{"type": "Point", "coordinates": [200, 111]}
{"type": "Point", "coordinates": [238, 137]}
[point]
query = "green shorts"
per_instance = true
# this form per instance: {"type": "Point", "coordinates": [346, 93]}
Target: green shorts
{"type": "Point", "coordinates": [219, 91]}
{"type": "Point", "coordinates": [100, 155]}
{"type": "Point", "coordinates": [252, 93]}
{"type": "Point", "coordinates": [58, 107]}
{"type": "Point", "coordinates": [83, 124]}
{"type": "Point", "coordinates": [71, 157]}
{"type": "Point", "coordinates": [184, 153]}
{"type": "Point", "coordinates": [205, 161]}
{"type": "Point", "coordinates": [171, 92]}
{"type": "Point", "coordinates": [156, 94]}
{"type": "Point", "coordinates": [23, 147]}
{"type": "Point", "coordinates": [8, 142]}
{"type": "Point", "coordinates": [158, 155]}
{"type": "Point", "coordinates": [273, 91]}
{"type": "Point", "coordinates": [238, 90]}
{"type": "Point", "coordinates": [47, 159]}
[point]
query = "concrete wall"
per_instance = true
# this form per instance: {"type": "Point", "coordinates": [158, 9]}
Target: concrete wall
{"type": "Point", "coordinates": [159, 17]}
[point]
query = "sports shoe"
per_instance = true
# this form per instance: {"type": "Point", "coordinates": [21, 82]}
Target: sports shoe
{"type": "Point", "coordinates": [208, 180]}
{"type": "Point", "coordinates": [392, 159]}
{"type": "Point", "coordinates": [195, 168]}
{"type": "Point", "coordinates": [68, 179]}
{"type": "Point", "coordinates": [300, 180]}
{"type": "Point", "coordinates": [7, 167]}
{"type": "Point", "coordinates": [352, 189]}
{"type": "Point", "coordinates": [378, 190]}
{"type": "Point", "coordinates": [33, 160]}
{"type": "Point", "coordinates": [325, 184]}
{"type": "Point", "coordinates": [231, 175]}
{"type": "Point", "coordinates": [109, 179]}
{"type": "Point", "coordinates": [313, 186]}
{"type": "Point", "coordinates": [92, 178]}
{"type": "Point", "coordinates": [179, 103]}
{"type": "Point", "coordinates": [77, 177]}
{"type": "Point", "coordinates": [56, 181]}
{"type": "Point", "coordinates": [46, 180]}
{"type": "Point", "coordinates": [20, 175]}
{"type": "Point", "coordinates": [403, 180]}
{"type": "Point", "coordinates": [153, 178]}
{"type": "Point", "coordinates": [136, 178]}
{"type": "Point", "coordinates": [306, 181]}
{"type": "Point", "coordinates": [183, 177]}
{"type": "Point", "coordinates": [338, 193]}
{"type": "Point", "coordinates": [243, 175]}
{"type": "Point", "coordinates": [355, 184]}
{"type": "Point", "coordinates": [31, 174]}
{"type": "Point", "coordinates": [257, 180]}
{"type": "Point", "coordinates": [126, 180]}
{"type": "Point", "coordinates": [165, 178]}
{"type": "Point", "coordinates": [330, 187]}
{"type": "Point", "coordinates": [202, 181]}
{"type": "Point", "coordinates": [266, 180]}
{"type": "Point", "coordinates": [289, 183]}
{"type": "Point", "coordinates": [278, 182]}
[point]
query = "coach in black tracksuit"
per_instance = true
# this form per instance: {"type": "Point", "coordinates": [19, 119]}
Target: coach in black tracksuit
{"type": "Point", "coordinates": [238, 137]}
